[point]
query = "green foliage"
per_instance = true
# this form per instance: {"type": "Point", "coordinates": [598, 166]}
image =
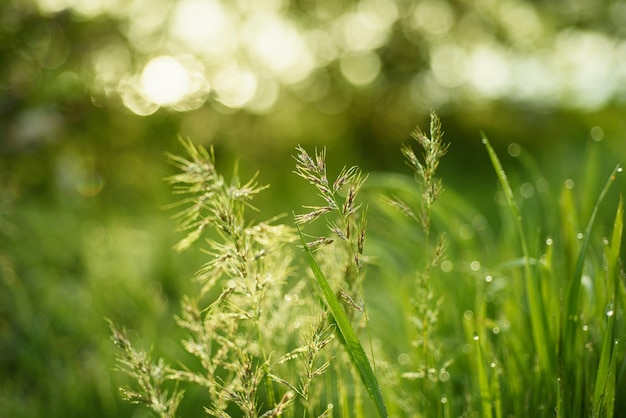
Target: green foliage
{"type": "Point", "coordinates": [462, 318]}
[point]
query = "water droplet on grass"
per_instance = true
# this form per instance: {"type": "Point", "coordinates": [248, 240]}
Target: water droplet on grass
{"type": "Point", "coordinates": [444, 376]}
{"type": "Point", "coordinates": [609, 310]}
{"type": "Point", "coordinates": [488, 278]}
{"type": "Point", "coordinates": [549, 241]}
{"type": "Point", "coordinates": [579, 235]}
{"type": "Point", "coordinates": [619, 169]}
{"type": "Point", "coordinates": [476, 337]}
{"type": "Point", "coordinates": [484, 141]}
{"type": "Point", "coordinates": [444, 399]}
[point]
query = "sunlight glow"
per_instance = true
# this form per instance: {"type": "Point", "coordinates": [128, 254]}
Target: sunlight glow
{"type": "Point", "coordinates": [206, 27]}
{"type": "Point", "coordinates": [489, 72]}
{"type": "Point", "coordinates": [448, 62]}
{"type": "Point", "coordinates": [360, 69]}
{"type": "Point", "coordinates": [235, 87]}
{"type": "Point", "coordinates": [362, 31]}
{"type": "Point", "coordinates": [587, 63]}
{"type": "Point", "coordinates": [276, 45]}
{"type": "Point", "coordinates": [251, 50]}
{"type": "Point", "coordinates": [432, 17]}
{"type": "Point", "coordinates": [164, 81]}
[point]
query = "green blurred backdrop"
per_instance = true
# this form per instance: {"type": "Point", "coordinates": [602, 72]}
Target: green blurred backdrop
{"type": "Point", "coordinates": [94, 92]}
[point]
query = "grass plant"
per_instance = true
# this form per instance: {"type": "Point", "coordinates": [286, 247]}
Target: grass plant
{"type": "Point", "coordinates": [441, 312]}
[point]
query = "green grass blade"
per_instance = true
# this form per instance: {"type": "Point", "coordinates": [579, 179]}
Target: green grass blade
{"type": "Point", "coordinates": [541, 335]}
{"type": "Point", "coordinates": [350, 340]}
{"type": "Point", "coordinates": [483, 380]}
{"type": "Point", "coordinates": [573, 293]}
{"type": "Point", "coordinates": [604, 391]}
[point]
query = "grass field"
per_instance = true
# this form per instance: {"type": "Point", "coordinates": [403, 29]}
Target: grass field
{"type": "Point", "coordinates": [404, 301]}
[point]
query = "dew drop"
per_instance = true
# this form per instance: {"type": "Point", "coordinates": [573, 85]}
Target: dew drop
{"type": "Point", "coordinates": [619, 169]}
{"type": "Point", "coordinates": [488, 278]}
{"type": "Point", "coordinates": [549, 241]}
{"type": "Point", "coordinates": [468, 315]}
{"type": "Point", "coordinates": [444, 376]}
{"type": "Point", "coordinates": [569, 183]}
{"type": "Point", "coordinates": [585, 328]}
{"type": "Point", "coordinates": [476, 337]}
{"type": "Point", "coordinates": [496, 330]}
{"type": "Point", "coordinates": [579, 235]}
{"type": "Point", "coordinates": [444, 400]}
{"type": "Point", "coordinates": [493, 365]}
{"type": "Point", "coordinates": [609, 311]}
{"type": "Point", "coordinates": [605, 241]}
{"type": "Point", "coordinates": [475, 265]}
{"type": "Point", "coordinates": [484, 141]}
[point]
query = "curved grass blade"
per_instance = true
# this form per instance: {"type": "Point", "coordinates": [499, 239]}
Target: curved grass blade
{"type": "Point", "coordinates": [350, 340]}
{"type": "Point", "coordinates": [541, 336]}
{"type": "Point", "coordinates": [573, 293]}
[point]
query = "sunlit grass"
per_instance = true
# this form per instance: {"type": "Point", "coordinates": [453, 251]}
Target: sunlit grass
{"type": "Point", "coordinates": [437, 311]}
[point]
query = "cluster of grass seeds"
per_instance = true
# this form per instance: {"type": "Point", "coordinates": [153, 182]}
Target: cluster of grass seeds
{"type": "Point", "coordinates": [243, 323]}
{"type": "Point", "coordinates": [345, 271]}
{"type": "Point", "coordinates": [426, 365]}
{"type": "Point", "coordinates": [523, 320]}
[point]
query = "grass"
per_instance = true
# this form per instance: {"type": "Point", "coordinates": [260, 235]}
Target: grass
{"type": "Point", "coordinates": [394, 297]}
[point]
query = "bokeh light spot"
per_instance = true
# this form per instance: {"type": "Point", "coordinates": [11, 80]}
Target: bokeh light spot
{"type": "Point", "coordinates": [277, 45]}
{"type": "Point", "coordinates": [432, 17]}
{"type": "Point", "coordinates": [164, 81]}
{"type": "Point", "coordinates": [234, 86]}
{"type": "Point", "coordinates": [448, 62]}
{"type": "Point", "coordinates": [206, 27]}
{"type": "Point", "coordinates": [489, 71]}
{"type": "Point", "coordinates": [360, 69]}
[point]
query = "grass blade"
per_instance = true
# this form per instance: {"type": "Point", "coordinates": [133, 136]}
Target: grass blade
{"type": "Point", "coordinates": [541, 335]}
{"type": "Point", "coordinates": [604, 391]}
{"type": "Point", "coordinates": [350, 340]}
{"type": "Point", "coordinates": [483, 380]}
{"type": "Point", "coordinates": [573, 292]}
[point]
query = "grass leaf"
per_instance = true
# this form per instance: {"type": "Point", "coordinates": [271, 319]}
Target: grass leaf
{"type": "Point", "coordinates": [604, 391]}
{"type": "Point", "coordinates": [542, 338]}
{"type": "Point", "coordinates": [573, 292]}
{"type": "Point", "coordinates": [350, 340]}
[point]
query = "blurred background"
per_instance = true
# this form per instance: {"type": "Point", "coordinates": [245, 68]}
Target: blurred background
{"type": "Point", "coordinates": [93, 93]}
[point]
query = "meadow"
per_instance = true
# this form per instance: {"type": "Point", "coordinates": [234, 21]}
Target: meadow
{"type": "Point", "coordinates": [390, 295]}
